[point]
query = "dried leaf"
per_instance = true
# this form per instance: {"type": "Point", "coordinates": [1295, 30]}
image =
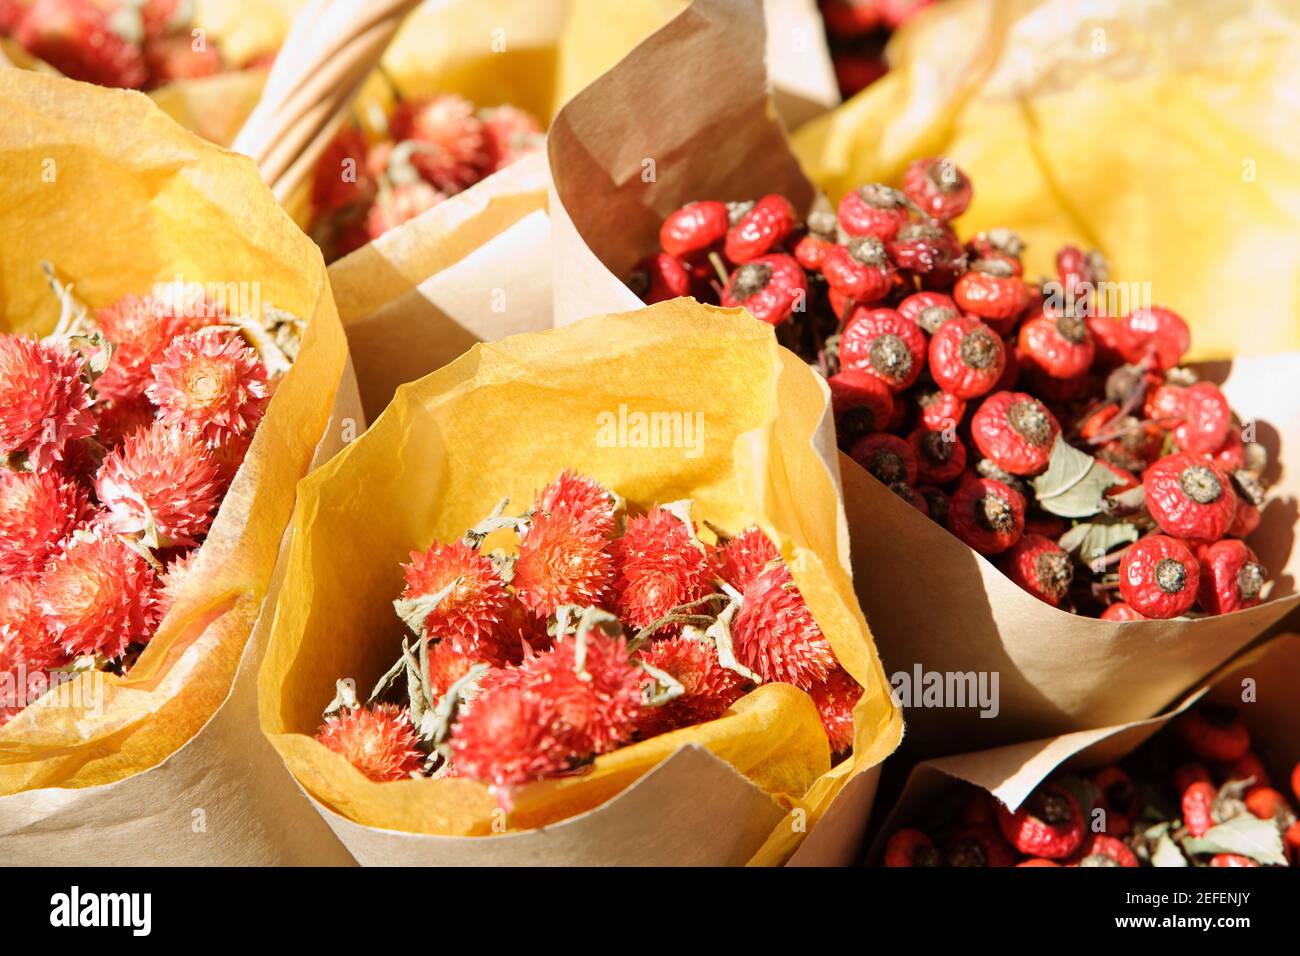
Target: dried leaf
{"type": "Point", "coordinates": [1074, 484]}
{"type": "Point", "coordinates": [1246, 835]}
{"type": "Point", "coordinates": [1166, 853]}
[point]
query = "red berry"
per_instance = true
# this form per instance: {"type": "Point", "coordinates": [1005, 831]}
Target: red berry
{"type": "Point", "coordinates": [979, 845]}
{"type": "Point", "coordinates": [1100, 849]}
{"type": "Point", "coordinates": [1158, 577]}
{"type": "Point", "coordinates": [884, 344]}
{"type": "Point", "coordinates": [760, 230]}
{"type": "Point", "coordinates": [931, 250]}
{"type": "Point", "coordinates": [1105, 333]}
{"type": "Point", "coordinates": [858, 269]}
{"type": "Point", "coordinates": [894, 13]}
{"type": "Point", "coordinates": [940, 455]}
{"type": "Point", "coordinates": [1198, 807]}
{"type": "Point", "coordinates": [1231, 577]}
{"type": "Point", "coordinates": [873, 210]}
{"type": "Point", "coordinates": [1295, 781]}
{"type": "Point", "coordinates": [1166, 404]}
{"type": "Point", "coordinates": [1079, 272]}
{"type": "Point", "coordinates": [1059, 345]}
{"type": "Point", "coordinates": [862, 404]}
{"type": "Point", "coordinates": [850, 18]}
{"type": "Point", "coordinates": [1049, 824]}
{"type": "Point", "coordinates": [1190, 773]}
{"type": "Point", "coordinates": [1231, 455]}
{"type": "Point", "coordinates": [658, 277]}
{"type": "Point", "coordinates": [992, 290]}
{"type": "Point", "coordinates": [1119, 797]}
{"type": "Point", "coordinates": [941, 410]}
{"type": "Point", "coordinates": [1156, 332]}
{"type": "Point", "coordinates": [810, 251]}
{"type": "Point", "coordinates": [938, 187]}
{"type": "Point", "coordinates": [887, 458]}
{"type": "Point", "coordinates": [1041, 567]}
{"type": "Point", "coordinates": [1038, 861]}
{"type": "Point", "coordinates": [1214, 732]}
{"type": "Point", "coordinates": [987, 514]}
{"type": "Point", "coordinates": [1269, 804]}
{"type": "Point", "coordinates": [911, 848]}
{"type": "Point", "coordinates": [1246, 521]}
{"type": "Point", "coordinates": [1119, 611]}
{"type": "Point", "coordinates": [1232, 859]}
{"type": "Point", "coordinates": [1207, 420]}
{"type": "Point", "coordinates": [854, 72]}
{"type": "Point", "coordinates": [1190, 497]}
{"type": "Point", "coordinates": [929, 310]}
{"type": "Point", "coordinates": [770, 288]}
{"type": "Point", "coordinates": [694, 229]}
{"type": "Point", "coordinates": [1127, 480]}
{"type": "Point", "coordinates": [966, 358]}
{"type": "Point", "coordinates": [1016, 431]}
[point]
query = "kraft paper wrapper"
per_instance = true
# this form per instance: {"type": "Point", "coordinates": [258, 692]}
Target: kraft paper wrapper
{"type": "Point", "coordinates": [933, 601]}
{"type": "Point", "coordinates": [504, 419]}
{"type": "Point", "coordinates": [162, 203]}
{"type": "Point", "coordinates": [474, 268]}
{"type": "Point", "coordinates": [1011, 773]}
{"type": "Point", "coordinates": [712, 133]}
{"type": "Point", "coordinates": [1160, 132]}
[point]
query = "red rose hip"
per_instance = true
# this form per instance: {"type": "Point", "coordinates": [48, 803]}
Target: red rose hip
{"type": "Point", "coordinates": [966, 358]}
{"type": "Point", "coordinates": [1231, 577]}
{"type": "Point", "coordinates": [882, 343]}
{"type": "Point", "coordinates": [1016, 431]}
{"type": "Point", "coordinates": [771, 288]}
{"type": "Point", "coordinates": [858, 270]}
{"type": "Point", "coordinates": [1159, 577]}
{"type": "Point", "coordinates": [987, 515]}
{"type": "Point", "coordinates": [1190, 497]}
{"type": "Point", "coordinates": [694, 229]}
{"type": "Point", "coordinates": [938, 188]}
{"type": "Point", "coordinates": [1041, 567]}
{"type": "Point", "coordinates": [760, 230]}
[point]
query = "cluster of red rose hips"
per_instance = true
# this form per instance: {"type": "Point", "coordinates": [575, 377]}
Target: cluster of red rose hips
{"type": "Point", "coordinates": [1200, 776]}
{"type": "Point", "coordinates": [951, 376]}
{"type": "Point", "coordinates": [599, 629]}
{"type": "Point", "coordinates": [858, 31]}
{"type": "Point", "coordinates": [128, 44]}
{"type": "Point", "coordinates": [119, 436]}
{"type": "Point", "coordinates": [433, 147]}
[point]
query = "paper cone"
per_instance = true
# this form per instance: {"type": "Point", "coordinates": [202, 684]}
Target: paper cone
{"type": "Point", "coordinates": [1011, 773]}
{"type": "Point", "coordinates": [935, 604]}
{"type": "Point", "coordinates": [84, 784]}
{"type": "Point", "coordinates": [504, 419]}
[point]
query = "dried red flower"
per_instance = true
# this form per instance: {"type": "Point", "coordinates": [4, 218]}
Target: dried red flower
{"type": "Point", "coordinates": [37, 512]}
{"type": "Point", "coordinates": [44, 401]}
{"type": "Point", "coordinates": [210, 384]}
{"type": "Point", "coordinates": [661, 565]}
{"type": "Point", "coordinates": [562, 559]}
{"type": "Point", "coordinates": [378, 741]}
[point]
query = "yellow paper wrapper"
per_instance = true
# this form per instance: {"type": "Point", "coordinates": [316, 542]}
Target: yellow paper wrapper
{"type": "Point", "coordinates": [504, 420]}
{"type": "Point", "coordinates": [1173, 151]}
{"type": "Point", "coordinates": [1270, 671]}
{"type": "Point", "coordinates": [117, 198]}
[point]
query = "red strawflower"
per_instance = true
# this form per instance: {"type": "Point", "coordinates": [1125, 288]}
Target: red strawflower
{"type": "Point", "coordinates": [744, 557]}
{"type": "Point", "coordinates": [160, 484]}
{"type": "Point", "coordinates": [400, 204]}
{"type": "Point", "coordinates": [835, 698]}
{"type": "Point", "coordinates": [775, 635]}
{"type": "Point", "coordinates": [709, 688]}
{"type": "Point", "coordinates": [562, 560]}
{"type": "Point", "coordinates": [380, 742]}
{"type": "Point", "coordinates": [446, 666]}
{"type": "Point", "coordinates": [342, 177]}
{"type": "Point", "coordinates": [210, 384]}
{"type": "Point", "coordinates": [660, 566]}
{"type": "Point", "coordinates": [453, 151]}
{"type": "Point", "coordinates": [44, 402]}
{"type": "Point", "coordinates": [509, 134]}
{"type": "Point", "coordinates": [506, 736]}
{"type": "Point", "coordinates": [586, 499]}
{"type": "Point", "coordinates": [77, 38]}
{"type": "Point", "coordinates": [139, 328]}
{"type": "Point", "coordinates": [24, 638]}
{"type": "Point", "coordinates": [99, 597]}
{"type": "Point", "coordinates": [37, 511]}
{"type": "Point", "coordinates": [173, 579]}
{"type": "Point", "coordinates": [119, 418]}
{"type": "Point", "coordinates": [470, 615]}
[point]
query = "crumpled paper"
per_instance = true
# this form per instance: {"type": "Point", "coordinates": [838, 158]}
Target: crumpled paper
{"type": "Point", "coordinates": [1161, 133]}
{"type": "Point", "coordinates": [117, 198]}
{"type": "Point", "coordinates": [503, 420]}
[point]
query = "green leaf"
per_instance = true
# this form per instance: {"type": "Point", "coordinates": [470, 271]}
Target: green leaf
{"type": "Point", "coordinates": [1244, 834]}
{"type": "Point", "coordinates": [1166, 852]}
{"type": "Point", "coordinates": [1074, 484]}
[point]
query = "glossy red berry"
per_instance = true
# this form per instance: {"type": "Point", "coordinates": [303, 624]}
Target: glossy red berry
{"type": "Point", "coordinates": [929, 310]}
{"type": "Point", "coordinates": [771, 288]}
{"type": "Point", "coordinates": [1166, 404]}
{"type": "Point", "coordinates": [1120, 611]}
{"type": "Point", "coordinates": [1078, 273]}
{"type": "Point", "coordinates": [908, 848]}
{"type": "Point", "coordinates": [1207, 419]}
{"type": "Point", "coordinates": [694, 229]}
{"type": "Point", "coordinates": [941, 410]}
{"type": "Point", "coordinates": [940, 455]}
{"type": "Point", "coordinates": [930, 250]}
{"type": "Point", "coordinates": [938, 188]}
{"type": "Point", "coordinates": [1231, 455]}
{"type": "Point", "coordinates": [993, 291]}
{"type": "Point", "coordinates": [1269, 804]}
{"type": "Point", "coordinates": [859, 269]}
{"type": "Point", "coordinates": [882, 343]}
{"type": "Point", "coordinates": [1105, 333]}
{"type": "Point", "coordinates": [979, 845]}
{"type": "Point", "coordinates": [862, 404]}
{"type": "Point", "coordinates": [1016, 431]}
{"type": "Point", "coordinates": [1231, 577]}
{"type": "Point", "coordinates": [760, 230]}
{"type": "Point", "coordinates": [1198, 807]}
{"type": "Point", "coordinates": [1232, 859]}
{"type": "Point", "coordinates": [1049, 824]}
{"type": "Point", "coordinates": [987, 515]}
{"type": "Point", "coordinates": [1214, 732]}
{"type": "Point", "coordinates": [966, 358]}
{"type": "Point", "coordinates": [873, 210]}
{"type": "Point", "coordinates": [1190, 497]}
{"type": "Point", "coordinates": [1041, 567]}
{"type": "Point", "coordinates": [1100, 849]}
{"type": "Point", "coordinates": [888, 458]}
{"type": "Point", "coordinates": [1154, 334]}
{"type": "Point", "coordinates": [659, 276]}
{"type": "Point", "coordinates": [1158, 577]}
{"type": "Point", "coordinates": [1060, 345]}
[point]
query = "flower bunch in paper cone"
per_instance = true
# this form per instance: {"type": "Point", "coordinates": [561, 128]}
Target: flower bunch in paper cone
{"type": "Point", "coordinates": [598, 629]}
{"type": "Point", "coordinates": [119, 435]}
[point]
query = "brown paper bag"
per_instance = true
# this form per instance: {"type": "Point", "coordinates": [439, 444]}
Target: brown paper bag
{"type": "Point", "coordinates": [1011, 773]}
{"type": "Point", "coordinates": [503, 420]}
{"type": "Point", "coordinates": [936, 605]}
{"type": "Point", "coordinates": [171, 746]}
